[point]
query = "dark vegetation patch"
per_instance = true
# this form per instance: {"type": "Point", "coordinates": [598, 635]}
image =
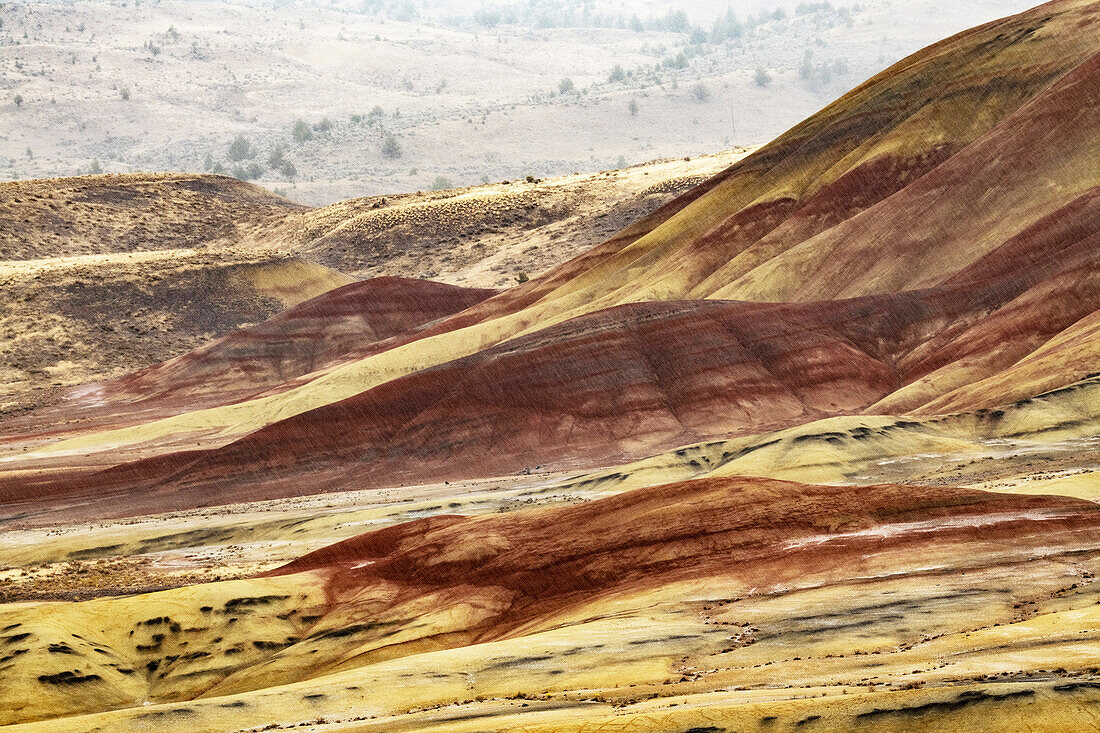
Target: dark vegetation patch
{"type": "Point", "coordinates": [91, 552]}
{"type": "Point", "coordinates": [516, 662]}
{"type": "Point", "coordinates": [157, 621]}
{"type": "Point", "coordinates": [190, 538]}
{"type": "Point", "coordinates": [750, 448]}
{"type": "Point", "coordinates": [171, 713]}
{"type": "Point", "coordinates": [964, 700]}
{"type": "Point", "coordinates": [829, 437]}
{"type": "Point", "coordinates": [1072, 686]}
{"type": "Point", "coordinates": [221, 671]}
{"type": "Point", "coordinates": [68, 678]}
{"type": "Point", "coordinates": [14, 653]}
{"type": "Point", "coordinates": [353, 629]}
{"type": "Point", "coordinates": [235, 604]}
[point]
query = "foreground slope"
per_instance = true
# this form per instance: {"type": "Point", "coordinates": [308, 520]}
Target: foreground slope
{"type": "Point", "coordinates": [741, 601]}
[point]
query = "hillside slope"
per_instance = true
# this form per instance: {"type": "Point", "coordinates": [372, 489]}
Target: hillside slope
{"type": "Point", "coordinates": [106, 274]}
{"type": "Point", "coordinates": [928, 231]}
{"type": "Point", "coordinates": [734, 601]}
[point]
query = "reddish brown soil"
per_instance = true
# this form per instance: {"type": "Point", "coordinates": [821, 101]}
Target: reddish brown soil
{"type": "Point", "coordinates": [343, 323]}
{"type": "Point", "coordinates": [753, 529]}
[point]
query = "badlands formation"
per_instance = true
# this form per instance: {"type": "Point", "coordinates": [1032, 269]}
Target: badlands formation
{"type": "Point", "coordinates": [812, 446]}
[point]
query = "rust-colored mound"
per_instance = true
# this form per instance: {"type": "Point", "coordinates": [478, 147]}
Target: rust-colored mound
{"type": "Point", "coordinates": [346, 322]}
{"type": "Point", "coordinates": [749, 527]}
{"type": "Point", "coordinates": [926, 232]}
{"type": "Point", "coordinates": [620, 384]}
{"type": "Point", "coordinates": [303, 339]}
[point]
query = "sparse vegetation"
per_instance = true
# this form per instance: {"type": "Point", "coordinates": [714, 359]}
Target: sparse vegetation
{"type": "Point", "coordinates": [241, 149]}
{"type": "Point", "coordinates": [249, 172]}
{"type": "Point", "coordinates": [442, 183]}
{"type": "Point", "coordinates": [391, 148]}
{"type": "Point", "coordinates": [761, 78]}
{"type": "Point", "coordinates": [277, 161]}
{"type": "Point", "coordinates": [301, 131]}
{"type": "Point", "coordinates": [567, 86]}
{"type": "Point", "coordinates": [700, 92]}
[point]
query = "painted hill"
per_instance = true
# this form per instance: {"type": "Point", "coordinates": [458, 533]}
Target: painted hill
{"type": "Point", "coordinates": [342, 324]}
{"type": "Point", "coordinates": [812, 446]}
{"type": "Point", "coordinates": [927, 232]}
{"type": "Point", "coordinates": [103, 275]}
{"type": "Point", "coordinates": [671, 593]}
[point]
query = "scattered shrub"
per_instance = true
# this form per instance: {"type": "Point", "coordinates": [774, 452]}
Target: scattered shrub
{"type": "Point", "coordinates": [390, 147]}
{"type": "Point", "coordinates": [301, 131]}
{"type": "Point", "coordinates": [241, 149]}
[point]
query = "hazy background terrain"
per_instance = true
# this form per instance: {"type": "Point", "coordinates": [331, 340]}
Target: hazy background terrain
{"type": "Point", "coordinates": [333, 99]}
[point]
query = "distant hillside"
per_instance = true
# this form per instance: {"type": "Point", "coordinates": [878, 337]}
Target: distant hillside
{"type": "Point", "coordinates": [366, 98]}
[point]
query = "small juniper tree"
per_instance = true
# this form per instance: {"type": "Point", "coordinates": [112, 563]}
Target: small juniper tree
{"type": "Point", "coordinates": [761, 78]}
{"type": "Point", "coordinates": [276, 157]}
{"type": "Point", "coordinates": [302, 131]}
{"type": "Point", "coordinates": [241, 149]}
{"type": "Point", "coordinates": [390, 147]}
